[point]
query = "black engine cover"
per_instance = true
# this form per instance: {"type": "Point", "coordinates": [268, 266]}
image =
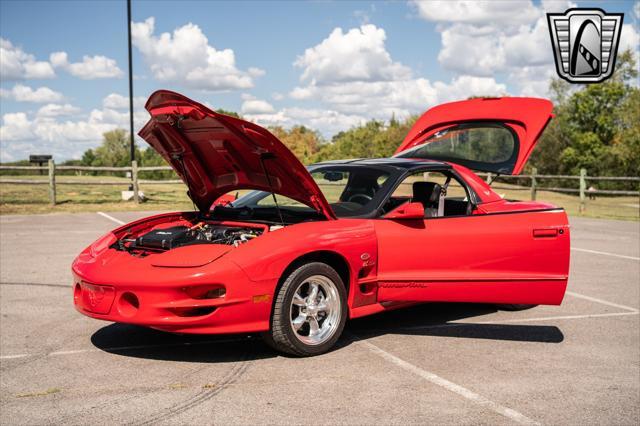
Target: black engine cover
{"type": "Point", "coordinates": [164, 238]}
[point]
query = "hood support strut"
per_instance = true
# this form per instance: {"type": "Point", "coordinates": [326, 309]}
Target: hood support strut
{"type": "Point", "coordinates": [266, 156]}
{"type": "Point", "coordinates": [180, 160]}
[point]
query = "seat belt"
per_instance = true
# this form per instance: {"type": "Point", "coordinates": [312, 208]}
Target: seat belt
{"type": "Point", "coordinates": [443, 194]}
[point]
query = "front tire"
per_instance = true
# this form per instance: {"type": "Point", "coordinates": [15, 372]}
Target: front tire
{"type": "Point", "coordinates": [309, 312]}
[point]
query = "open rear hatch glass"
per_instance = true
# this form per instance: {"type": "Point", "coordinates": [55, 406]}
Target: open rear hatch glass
{"type": "Point", "coordinates": [487, 134]}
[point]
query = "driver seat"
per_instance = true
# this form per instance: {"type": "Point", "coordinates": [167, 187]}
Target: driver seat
{"type": "Point", "coordinates": [427, 193]}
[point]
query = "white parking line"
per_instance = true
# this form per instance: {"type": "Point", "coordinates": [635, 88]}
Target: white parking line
{"type": "Point", "coordinates": [605, 253]}
{"type": "Point", "coordinates": [603, 302]}
{"type": "Point", "coordinates": [559, 317]}
{"type": "Point", "coordinates": [450, 386]}
{"type": "Point", "coordinates": [14, 356]}
{"type": "Point", "coordinates": [111, 218]}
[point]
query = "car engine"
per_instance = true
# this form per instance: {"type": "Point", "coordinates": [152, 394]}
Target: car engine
{"type": "Point", "coordinates": [163, 239]}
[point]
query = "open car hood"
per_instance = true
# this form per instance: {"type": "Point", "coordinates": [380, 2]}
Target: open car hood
{"type": "Point", "coordinates": [488, 134]}
{"type": "Point", "coordinates": [215, 153]}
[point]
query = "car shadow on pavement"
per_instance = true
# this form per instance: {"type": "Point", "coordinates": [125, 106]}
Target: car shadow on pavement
{"type": "Point", "coordinates": [141, 342]}
{"type": "Point", "coordinates": [433, 319]}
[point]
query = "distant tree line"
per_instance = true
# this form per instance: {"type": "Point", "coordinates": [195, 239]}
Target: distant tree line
{"type": "Point", "coordinates": [596, 127]}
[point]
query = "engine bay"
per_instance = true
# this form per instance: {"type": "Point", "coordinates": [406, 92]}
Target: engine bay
{"type": "Point", "coordinates": [163, 238]}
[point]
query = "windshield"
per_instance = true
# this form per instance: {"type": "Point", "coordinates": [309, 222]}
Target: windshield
{"type": "Point", "coordinates": [350, 190]}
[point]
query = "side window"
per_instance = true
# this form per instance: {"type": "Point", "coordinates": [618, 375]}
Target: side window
{"type": "Point", "coordinates": [425, 188]}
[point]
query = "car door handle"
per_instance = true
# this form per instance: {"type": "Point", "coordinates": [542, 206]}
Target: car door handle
{"type": "Point", "coordinates": [545, 233]}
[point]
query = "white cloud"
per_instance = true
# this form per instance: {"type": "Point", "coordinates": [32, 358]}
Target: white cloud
{"type": "Point", "coordinates": [514, 12]}
{"type": "Point", "coordinates": [185, 57]}
{"type": "Point", "coordinates": [629, 39]}
{"type": "Point", "coordinates": [16, 64]}
{"type": "Point", "coordinates": [91, 67]}
{"type": "Point", "coordinates": [57, 110]}
{"type": "Point", "coordinates": [60, 130]}
{"type": "Point", "coordinates": [485, 38]}
{"type": "Point", "coordinates": [117, 101]}
{"type": "Point", "coordinates": [372, 85]}
{"type": "Point", "coordinates": [636, 9]}
{"type": "Point", "coordinates": [22, 93]}
{"type": "Point", "coordinates": [59, 59]}
{"type": "Point", "coordinates": [378, 99]}
{"type": "Point", "coordinates": [533, 80]}
{"type": "Point", "coordinates": [256, 72]}
{"type": "Point", "coordinates": [256, 106]}
{"type": "Point", "coordinates": [465, 86]}
{"type": "Point", "coordinates": [357, 55]}
{"type": "Point", "coordinates": [327, 121]}
{"type": "Point", "coordinates": [471, 50]}
{"type": "Point", "coordinates": [15, 127]}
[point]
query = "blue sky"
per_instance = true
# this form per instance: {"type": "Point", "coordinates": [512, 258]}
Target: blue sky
{"type": "Point", "coordinates": [327, 65]}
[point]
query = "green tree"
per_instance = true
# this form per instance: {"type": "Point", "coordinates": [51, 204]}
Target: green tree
{"type": "Point", "coordinates": [113, 152]}
{"type": "Point", "coordinates": [225, 112]}
{"type": "Point", "coordinates": [88, 158]}
{"type": "Point", "coordinates": [301, 140]}
{"type": "Point", "coordinates": [369, 140]}
{"type": "Point", "coordinates": [597, 126]}
{"type": "Point", "coordinates": [149, 157]}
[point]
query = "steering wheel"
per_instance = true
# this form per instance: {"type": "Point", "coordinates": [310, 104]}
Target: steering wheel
{"type": "Point", "coordinates": [355, 197]}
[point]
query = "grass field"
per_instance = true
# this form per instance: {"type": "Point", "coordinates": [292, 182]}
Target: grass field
{"type": "Point", "coordinates": [32, 199]}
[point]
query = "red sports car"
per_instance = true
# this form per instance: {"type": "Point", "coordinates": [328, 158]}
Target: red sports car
{"type": "Point", "coordinates": [308, 248]}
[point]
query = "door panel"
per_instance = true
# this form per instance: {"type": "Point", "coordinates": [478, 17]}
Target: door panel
{"type": "Point", "coordinates": [490, 258]}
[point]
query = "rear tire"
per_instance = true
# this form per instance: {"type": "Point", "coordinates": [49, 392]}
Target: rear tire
{"type": "Point", "coordinates": [514, 307]}
{"type": "Point", "coordinates": [309, 312]}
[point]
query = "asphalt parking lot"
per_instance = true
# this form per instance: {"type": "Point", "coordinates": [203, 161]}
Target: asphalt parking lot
{"type": "Point", "coordinates": [578, 363]}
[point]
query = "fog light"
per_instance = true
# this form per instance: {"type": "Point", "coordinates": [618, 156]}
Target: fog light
{"type": "Point", "coordinates": [128, 304]}
{"type": "Point", "coordinates": [205, 292]}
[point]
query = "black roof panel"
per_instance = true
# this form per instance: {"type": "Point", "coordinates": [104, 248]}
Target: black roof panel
{"type": "Point", "coordinates": [399, 163]}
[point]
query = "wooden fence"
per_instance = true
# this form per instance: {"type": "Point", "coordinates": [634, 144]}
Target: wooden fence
{"type": "Point", "coordinates": [134, 170]}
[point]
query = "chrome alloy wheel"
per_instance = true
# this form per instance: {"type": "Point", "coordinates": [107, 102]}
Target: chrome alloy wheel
{"type": "Point", "coordinates": [315, 310]}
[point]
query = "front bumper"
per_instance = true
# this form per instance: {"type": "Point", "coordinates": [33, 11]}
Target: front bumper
{"type": "Point", "coordinates": [163, 301]}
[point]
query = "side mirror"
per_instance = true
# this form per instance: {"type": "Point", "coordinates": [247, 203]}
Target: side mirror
{"type": "Point", "coordinates": [407, 211]}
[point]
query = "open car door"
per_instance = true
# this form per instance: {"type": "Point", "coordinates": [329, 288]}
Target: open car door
{"type": "Point", "coordinates": [519, 258]}
{"type": "Point", "coordinates": [494, 135]}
